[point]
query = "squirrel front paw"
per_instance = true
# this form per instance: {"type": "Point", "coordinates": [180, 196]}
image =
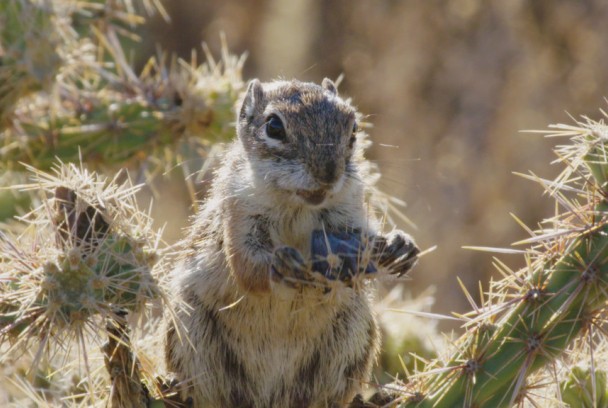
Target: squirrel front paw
{"type": "Point", "coordinates": [288, 267]}
{"type": "Point", "coordinates": [396, 251]}
{"type": "Point", "coordinates": [326, 267]}
{"type": "Point", "coordinates": [343, 257]}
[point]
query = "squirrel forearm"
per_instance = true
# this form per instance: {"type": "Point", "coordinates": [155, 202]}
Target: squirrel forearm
{"type": "Point", "coordinates": [252, 275]}
{"type": "Point", "coordinates": [249, 255]}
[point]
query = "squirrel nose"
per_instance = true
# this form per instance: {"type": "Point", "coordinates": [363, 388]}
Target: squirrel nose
{"type": "Point", "coordinates": [329, 174]}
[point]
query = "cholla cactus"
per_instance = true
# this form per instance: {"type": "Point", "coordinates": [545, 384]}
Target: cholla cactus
{"type": "Point", "coordinates": [93, 100]}
{"type": "Point", "coordinates": [86, 258]}
{"type": "Point", "coordinates": [29, 54]}
{"type": "Point", "coordinates": [68, 92]}
{"type": "Point", "coordinates": [180, 108]}
{"type": "Point", "coordinates": [39, 45]}
{"type": "Point", "coordinates": [533, 316]}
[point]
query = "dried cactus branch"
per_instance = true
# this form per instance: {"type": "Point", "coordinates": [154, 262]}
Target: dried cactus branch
{"type": "Point", "coordinates": [127, 390]}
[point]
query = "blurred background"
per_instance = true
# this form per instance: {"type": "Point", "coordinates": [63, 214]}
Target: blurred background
{"type": "Point", "coordinates": [448, 87]}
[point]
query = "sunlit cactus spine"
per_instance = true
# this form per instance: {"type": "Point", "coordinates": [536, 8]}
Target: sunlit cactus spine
{"type": "Point", "coordinates": [533, 316]}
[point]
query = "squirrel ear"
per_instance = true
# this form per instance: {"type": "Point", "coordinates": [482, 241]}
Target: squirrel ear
{"type": "Point", "coordinates": [253, 96]}
{"type": "Point", "coordinates": [329, 85]}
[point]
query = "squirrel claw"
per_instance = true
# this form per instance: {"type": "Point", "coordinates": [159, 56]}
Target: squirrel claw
{"type": "Point", "coordinates": [396, 251]}
{"type": "Point", "coordinates": [289, 267]}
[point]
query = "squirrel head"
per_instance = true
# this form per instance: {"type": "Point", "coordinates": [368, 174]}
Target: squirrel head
{"type": "Point", "coordinates": [299, 137]}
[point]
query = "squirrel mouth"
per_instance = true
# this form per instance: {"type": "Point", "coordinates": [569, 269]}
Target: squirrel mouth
{"type": "Point", "coordinates": [314, 197]}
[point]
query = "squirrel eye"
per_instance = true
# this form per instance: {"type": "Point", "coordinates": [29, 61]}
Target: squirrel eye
{"type": "Point", "coordinates": [355, 128]}
{"type": "Point", "coordinates": [275, 128]}
{"type": "Point", "coordinates": [352, 141]}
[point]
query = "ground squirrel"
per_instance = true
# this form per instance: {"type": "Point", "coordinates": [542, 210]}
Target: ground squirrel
{"type": "Point", "coordinates": [261, 328]}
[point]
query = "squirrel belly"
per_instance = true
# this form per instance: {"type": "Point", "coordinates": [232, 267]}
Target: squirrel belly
{"type": "Point", "coordinates": [267, 351]}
